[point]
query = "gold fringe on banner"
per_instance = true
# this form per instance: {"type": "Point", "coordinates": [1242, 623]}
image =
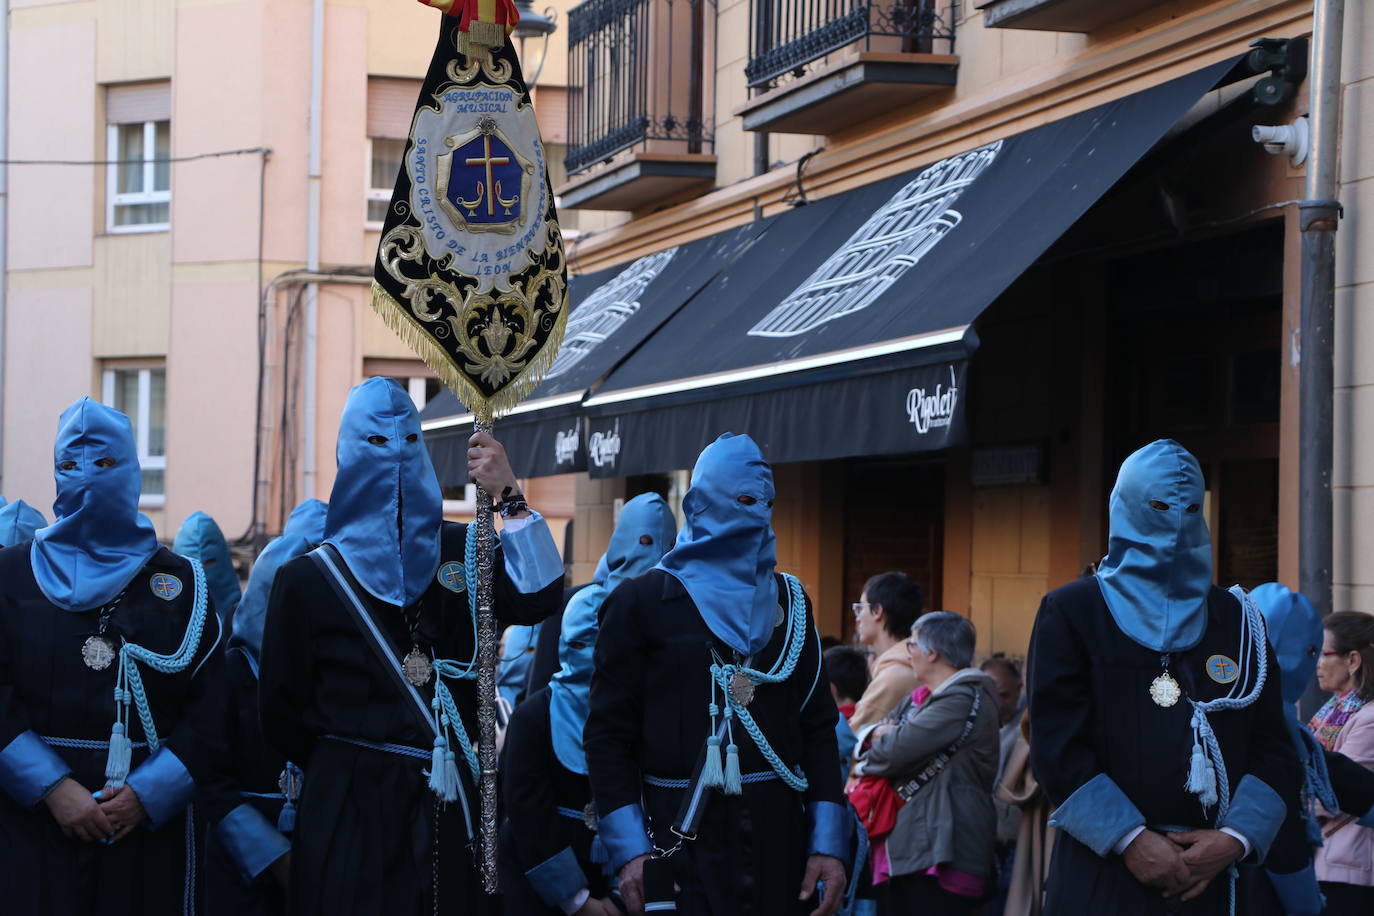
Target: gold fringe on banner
{"type": "Point", "coordinates": [481, 38]}
{"type": "Point", "coordinates": [487, 409]}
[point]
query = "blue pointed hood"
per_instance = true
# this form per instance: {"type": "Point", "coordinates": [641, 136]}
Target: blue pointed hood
{"type": "Point", "coordinates": [98, 541]}
{"type": "Point", "coordinates": [303, 532]}
{"type": "Point", "coordinates": [726, 552]}
{"type": "Point", "coordinates": [200, 537]}
{"type": "Point", "coordinates": [512, 671]}
{"type": "Point", "coordinates": [385, 510]}
{"type": "Point", "coordinates": [645, 530]}
{"type": "Point", "coordinates": [19, 522]}
{"type": "Point", "coordinates": [1295, 633]}
{"type": "Point", "coordinates": [1158, 569]}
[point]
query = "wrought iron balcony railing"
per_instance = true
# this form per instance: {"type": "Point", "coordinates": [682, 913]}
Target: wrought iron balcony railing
{"type": "Point", "coordinates": [639, 72]}
{"type": "Point", "coordinates": [788, 36]}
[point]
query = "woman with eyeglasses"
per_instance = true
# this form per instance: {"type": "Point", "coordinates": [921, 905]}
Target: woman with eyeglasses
{"type": "Point", "coordinates": [1345, 725]}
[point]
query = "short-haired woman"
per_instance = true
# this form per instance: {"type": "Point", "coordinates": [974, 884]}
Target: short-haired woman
{"type": "Point", "coordinates": [940, 755]}
{"type": "Point", "coordinates": [1345, 863]}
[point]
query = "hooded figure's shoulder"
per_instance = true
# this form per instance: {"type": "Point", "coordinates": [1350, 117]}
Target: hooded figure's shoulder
{"type": "Point", "coordinates": [15, 561]}
{"type": "Point", "coordinates": [1082, 595]}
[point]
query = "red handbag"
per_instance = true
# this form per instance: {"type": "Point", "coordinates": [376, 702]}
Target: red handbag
{"type": "Point", "coordinates": [877, 804]}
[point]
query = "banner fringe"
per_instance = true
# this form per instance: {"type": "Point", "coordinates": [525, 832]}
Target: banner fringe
{"type": "Point", "coordinates": [399, 319]}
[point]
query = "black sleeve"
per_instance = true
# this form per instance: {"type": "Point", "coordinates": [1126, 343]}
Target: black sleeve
{"type": "Point", "coordinates": [1059, 692]}
{"type": "Point", "coordinates": [1353, 783]}
{"type": "Point", "coordinates": [285, 671]}
{"type": "Point", "coordinates": [527, 791]}
{"type": "Point", "coordinates": [612, 733]}
{"type": "Point", "coordinates": [219, 791]}
{"type": "Point", "coordinates": [820, 745]}
{"type": "Point", "coordinates": [1272, 757]}
{"type": "Point", "coordinates": [512, 606]}
{"type": "Point", "coordinates": [193, 738]}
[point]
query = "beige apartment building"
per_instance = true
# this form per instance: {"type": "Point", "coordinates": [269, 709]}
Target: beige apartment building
{"type": "Point", "coordinates": [1040, 230]}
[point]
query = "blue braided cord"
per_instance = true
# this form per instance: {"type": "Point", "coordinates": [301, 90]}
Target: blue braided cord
{"type": "Point", "coordinates": [659, 782]}
{"type": "Point", "coordinates": [444, 668]}
{"type": "Point", "coordinates": [272, 796]}
{"type": "Point", "coordinates": [782, 669]}
{"type": "Point", "coordinates": [851, 893]}
{"type": "Point", "coordinates": [1316, 779]}
{"type": "Point", "coordinates": [1253, 623]}
{"type": "Point", "coordinates": [84, 744]}
{"type": "Point", "coordinates": [460, 671]}
{"type": "Point", "coordinates": [130, 654]}
{"type": "Point", "coordinates": [570, 812]}
{"type": "Point", "coordinates": [401, 750]}
{"type": "Point", "coordinates": [188, 895]}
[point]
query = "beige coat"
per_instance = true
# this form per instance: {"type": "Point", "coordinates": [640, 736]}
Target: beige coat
{"type": "Point", "coordinates": [1348, 854]}
{"type": "Point", "coordinates": [893, 681]}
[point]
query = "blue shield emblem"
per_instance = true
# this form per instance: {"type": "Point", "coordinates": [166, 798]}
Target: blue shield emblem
{"type": "Point", "coordinates": [486, 181]}
{"type": "Point", "coordinates": [453, 577]}
{"type": "Point", "coordinates": [165, 585]}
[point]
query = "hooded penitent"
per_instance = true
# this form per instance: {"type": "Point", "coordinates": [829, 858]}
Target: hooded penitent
{"type": "Point", "coordinates": [643, 532]}
{"type": "Point", "coordinates": [1295, 633]}
{"type": "Point", "coordinates": [303, 532]}
{"type": "Point", "coordinates": [1158, 569]}
{"type": "Point", "coordinates": [201, 538]}
{"type": "Point", "coordinates": [19, 522]}
{"type": "Point", "coordinates": [385, 510]}
{"type": "Point", "coordinates": [725, 554]}
{"type": "Point", "coordinates": [517, 654]}
{"type": "Point", "coordinates": [99, 541]}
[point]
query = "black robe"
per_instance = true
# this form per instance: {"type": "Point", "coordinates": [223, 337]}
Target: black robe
{"type": "Point", "coordinates": [246, 772]}
{"type": "Point", "coordinates": [534, 786]}
{"type": "Point", "coordinates": [1091, 714]}
{"type": "Point", "coordinates": [47, 690]}
{"type": "Point", "coordinates": [649, 718]}
{"type": "Point", "coordinates": [365, 831]}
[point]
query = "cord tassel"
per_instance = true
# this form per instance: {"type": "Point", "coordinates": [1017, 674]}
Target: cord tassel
{"type": "Point", "coordinates": [733, 784]}
{"type": "Point", "coordinates": [286, 820]}
{"type": "Point", "coordinates": [712, 776]}
{"type": "Point", "coordinates": [120, 756]}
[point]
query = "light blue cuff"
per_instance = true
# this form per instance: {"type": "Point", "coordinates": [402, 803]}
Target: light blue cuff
{"type": "Point", "coordinates": [1367, 820]}
{"type": "Point", "coordinates": [625, 835]}
{"type": "Point", "coordinates": [163, 786]}
{"type": "Point", "coordinates": [557, 878]}
{"type": "Point", "coordinates": [252, 842]}
{"type": "Point", "coordinates": [830, 830]}
{"type": "Point", "coordinates": [1097, 815]}
{"type": "Point", "coordinates": [1256, 812]}
{"type": "Point", "coordinates": [532, 559]}
{"type": "Point", "coordinates": [1298, 892]}
{"type": "Point", "coordinates": [29, 769]}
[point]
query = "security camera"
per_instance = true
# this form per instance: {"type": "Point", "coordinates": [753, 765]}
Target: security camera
{"type": "Point", "coordinates": [1289, 140]}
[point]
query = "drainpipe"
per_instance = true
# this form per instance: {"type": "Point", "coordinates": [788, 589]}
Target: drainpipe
{"type": "Point", "coordinates": [4, 211]}
{"type": "Point", "coordinates": [1319, 215]}
{"type": "Point", "coordinates": [309, 472]}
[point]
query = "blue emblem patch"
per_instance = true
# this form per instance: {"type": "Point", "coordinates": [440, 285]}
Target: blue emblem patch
{"type": "Point", "coordinates": [1222, 669]}
{"type": "Point", "coordinates": [487, 181]}
{"type": "Point", "coordinates": [453, 577]}
{"type": "Point", "coordinates": [165, 586]}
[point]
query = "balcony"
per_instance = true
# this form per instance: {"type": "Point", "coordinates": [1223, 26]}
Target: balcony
{"type": "Point", "coordinates": [1058, 15]}
{"type": "Point", "coordinates": [825, 66]}
{"type": "Point", "coordinates": [641, 77]}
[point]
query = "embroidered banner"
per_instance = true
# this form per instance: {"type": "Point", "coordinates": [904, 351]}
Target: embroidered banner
{"type": "Point", "coordinates": [470, 271]}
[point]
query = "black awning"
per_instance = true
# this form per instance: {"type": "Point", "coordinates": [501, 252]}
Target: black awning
{"type": "Point", "coordinates": [890, 274]}
{"type": "Point", "coordinates": [613, 312]}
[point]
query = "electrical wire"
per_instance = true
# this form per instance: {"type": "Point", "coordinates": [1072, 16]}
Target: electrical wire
{"type": "Point", "coordinates": [250, 151]}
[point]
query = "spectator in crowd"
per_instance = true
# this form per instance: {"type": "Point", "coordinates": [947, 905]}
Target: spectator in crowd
{"type": "Point", "coordinates": [941, 758]}
{"type": "Point", "coordinates": [1345, 724]}
{"type": "Point", "coordinates": [848, 672]}
{"type": "Point", "coordinates": [1006, 678]}
{"type": "Point", "coordinates": [883, 616]}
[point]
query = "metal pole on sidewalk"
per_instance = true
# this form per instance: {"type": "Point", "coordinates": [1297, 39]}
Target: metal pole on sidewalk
{"type": "Point", "coordinates": [1320, 213]}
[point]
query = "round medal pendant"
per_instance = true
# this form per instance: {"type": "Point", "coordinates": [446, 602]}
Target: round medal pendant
{"type": "Point", "coordinates": [417, 668]}
{"type": "Point", "coordinates": [97, 652]}
{"type": "Point", "coordinates": [1164, 690]}
{"type": "Point", "coordinates": [742, 688]}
